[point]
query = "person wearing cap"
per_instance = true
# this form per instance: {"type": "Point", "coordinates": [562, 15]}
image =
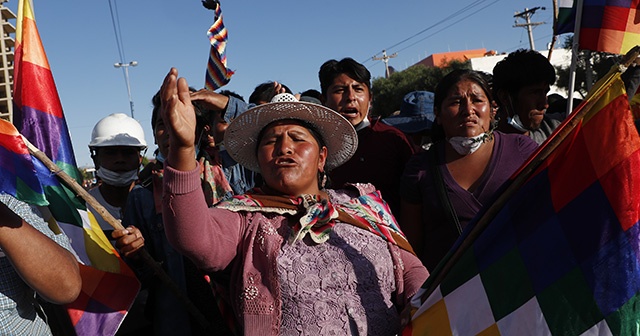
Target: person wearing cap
{"type": "Point", "coordinates": [383, 150]}
{"type": "Point", "coordinates": [444, 187]}
{"type": "Point", "coordinates": [116, 146]}
{"type": "Point", "coordinates": [415, 118]}
{"type": "Point", "coordinates": [302, 258]}
{"type": "Point", "coordinates": [117, 142]}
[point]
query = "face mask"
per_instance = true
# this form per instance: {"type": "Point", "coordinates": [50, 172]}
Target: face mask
{"type": "Point", "coordinates": [466, 146]}
{"type": "Point", "coordinates": [516, 123]}
{"type": "Point", "coordinates": [117, 179]}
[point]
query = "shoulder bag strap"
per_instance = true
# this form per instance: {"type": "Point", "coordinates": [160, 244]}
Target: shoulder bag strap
{"type": "Point", "coordinates": [450, 212]}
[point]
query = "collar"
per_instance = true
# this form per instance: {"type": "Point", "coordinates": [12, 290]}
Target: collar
{"type": "Point", "coordinates": [363, 124]}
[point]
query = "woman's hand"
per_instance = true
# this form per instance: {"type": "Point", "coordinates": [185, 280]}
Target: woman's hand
{"type": "Point", "coordinates": [180, 118]}
{"type": "Point", "coordinates": [128, 241]}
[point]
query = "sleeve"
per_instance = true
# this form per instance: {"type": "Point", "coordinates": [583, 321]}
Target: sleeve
{"type": "Point", "coordinates": [235, 107]}
{"type": "Point", "coordinates": [410, 180]}
{"type": "Point", "coordinates": [33, 217]}
{"type": "Point", "coordinates": [136, 213]}
{"type": "Point", "coordinates": [208, 236]}
{"type": "Point", "coordinates": [414, 275]}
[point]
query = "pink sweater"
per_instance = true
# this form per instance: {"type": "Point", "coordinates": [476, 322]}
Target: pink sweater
{"type": "Point", "coordinates": [253, 246]}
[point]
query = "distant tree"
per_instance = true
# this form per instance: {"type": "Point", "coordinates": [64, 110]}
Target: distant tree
{"type": "Point", "coordinates": [389, 92]}
{"type": "Point", "coordinates": [87, 174]}
{"type": "Point", "coordinates": [600, 62]}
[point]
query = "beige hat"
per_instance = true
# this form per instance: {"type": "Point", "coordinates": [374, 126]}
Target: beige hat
{"type": "Point", "coordinates": [241, 137]}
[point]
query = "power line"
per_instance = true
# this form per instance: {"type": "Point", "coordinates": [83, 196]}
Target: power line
{"type": "Point", "coordinates": [115, 20]}
{"type": "Point", "coordinates": [451, 24]}
{"type": "Point", "coordinates": [526, 15]}
{"type": "Point", "coordinates": [385, 58]}
{"type": "Point", "coordinates": [449, 17]}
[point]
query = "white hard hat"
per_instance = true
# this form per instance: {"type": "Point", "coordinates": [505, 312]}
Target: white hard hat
{"type": "Point", "coordinates": [117, 129]}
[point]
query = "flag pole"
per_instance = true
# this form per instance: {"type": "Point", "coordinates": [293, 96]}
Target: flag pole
{"type": "Point", "coordinates": [102, 211]}
{"type": "Point", "coordinates": [527, 171]}
{"type": "Point", "coordinates": [575, 46]}
{"type": "Point", "coordinates": [554, 38]}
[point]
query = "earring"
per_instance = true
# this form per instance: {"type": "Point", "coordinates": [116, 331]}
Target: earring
{"type": "Point", "coordinates": [322, 179]}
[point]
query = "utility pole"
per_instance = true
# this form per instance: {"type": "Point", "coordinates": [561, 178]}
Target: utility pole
{"type": "Point", "coordinates": [385, 59]}
{"type": "Point", "coordinates": [125, 67]}
{"type": "Point", "coordinates": [526, 15]}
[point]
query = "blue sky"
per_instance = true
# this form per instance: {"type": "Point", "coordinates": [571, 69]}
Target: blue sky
{"type": "Point", "coordinates": [282, 40]}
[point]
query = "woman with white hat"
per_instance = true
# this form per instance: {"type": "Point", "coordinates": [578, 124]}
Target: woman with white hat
{"type": "Point", "coordinates": [302, 259]}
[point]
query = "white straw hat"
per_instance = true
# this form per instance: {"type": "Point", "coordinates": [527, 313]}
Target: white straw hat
{"type": "Point", "coordinates": [241, 137]}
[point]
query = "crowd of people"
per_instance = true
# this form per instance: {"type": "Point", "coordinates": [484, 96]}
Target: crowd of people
{"type": "Point", "coordinates": [293, 214]}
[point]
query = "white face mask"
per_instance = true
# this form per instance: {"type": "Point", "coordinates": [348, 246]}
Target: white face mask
{"type": "Point", "coordinates": [117, 179]}
{"type": "Point", "coordinates": [466, 146]}
{"type": "Point", "coordinates": [516, 123]}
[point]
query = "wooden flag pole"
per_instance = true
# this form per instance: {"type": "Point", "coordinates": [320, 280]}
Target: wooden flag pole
{"type": "Point", "coordinates": [102, 211]}
{"type": "Point", "coordinates": [522, 177]}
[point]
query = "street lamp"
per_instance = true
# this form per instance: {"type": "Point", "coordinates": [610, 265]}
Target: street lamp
{"type": "Point", "coordinates": [125, 67]}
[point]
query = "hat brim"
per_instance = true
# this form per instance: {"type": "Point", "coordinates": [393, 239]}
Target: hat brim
{"type": "Point", "coordinates": [241, 137]}
{"type": "Point", "coordinates": [412, 124]}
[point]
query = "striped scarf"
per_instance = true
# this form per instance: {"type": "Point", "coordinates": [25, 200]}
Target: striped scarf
{"type": "Point", "coordinates": [217, 74]}
{"type": "Point", "coordinates": [318, 216]}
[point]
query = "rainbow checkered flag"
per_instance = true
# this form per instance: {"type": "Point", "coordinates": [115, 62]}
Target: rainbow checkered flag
{"type": "Point", "coordinates": [18, 176]}
{"type": "Point", "coordinates": [108, 284]}
{"type": "Point", "coordinates": [566, 19]}
{"type": "Point", "coordinates": [218, 75]}
{"type": "Point", "coordinates": [606, 25]}
{"type": "Point", "coordinates": [610, 26]}
{"type": "Point", "coordinates": [562, 255]}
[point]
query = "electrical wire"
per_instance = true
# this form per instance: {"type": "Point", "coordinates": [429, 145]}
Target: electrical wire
{"type": "Point", "coordinates": [459, 12]}
{"type": "Point", "coordinates": [451, 24]}
{"type": "Point", "coordinates": [115, 20]}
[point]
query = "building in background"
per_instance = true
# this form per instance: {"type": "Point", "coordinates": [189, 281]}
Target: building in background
{"type": "Point", "coordinates": [483, 60]}
{"type": "Point", "coordinates": [441, 59]}
{"type": "Point", "coordinates": [7, 44]}
{"type": "Point", "coordinates": [559, 58]}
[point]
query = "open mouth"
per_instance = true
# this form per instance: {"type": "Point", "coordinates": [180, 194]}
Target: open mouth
{"type": "Point", "coordinates": [285, 162]}
{"type": "Point", "coordinates": [349, 112]}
